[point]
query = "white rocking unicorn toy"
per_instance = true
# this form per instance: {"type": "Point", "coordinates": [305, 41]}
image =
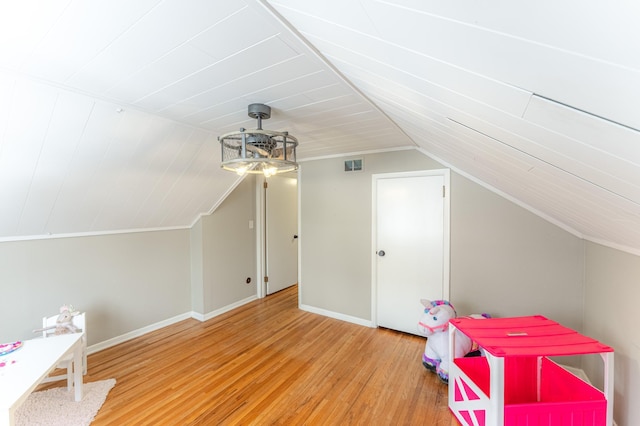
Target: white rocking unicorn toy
{"type": "Point", "coordinates": [434, 325]}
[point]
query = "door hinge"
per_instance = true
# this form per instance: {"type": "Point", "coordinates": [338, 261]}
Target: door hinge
{"type": "Point", "coordinates": [266, 279]}
{"type": "Point", "coordinates": [265, 185]}
{"type": "Point", "coordinates": [443, 191]}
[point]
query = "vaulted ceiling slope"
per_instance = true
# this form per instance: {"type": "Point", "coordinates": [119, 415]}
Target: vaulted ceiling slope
{"type": "Point", "coordinates": [109, 111]}
{"type": "Point", "coordinates": [539, 100]}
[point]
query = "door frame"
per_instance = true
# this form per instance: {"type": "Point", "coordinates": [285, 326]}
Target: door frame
{"type": "Point", "coordinates": [446, 267]}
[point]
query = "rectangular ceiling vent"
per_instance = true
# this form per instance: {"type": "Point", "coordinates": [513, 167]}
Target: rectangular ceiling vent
{"type": "Point", "coordinates": [353, 165]}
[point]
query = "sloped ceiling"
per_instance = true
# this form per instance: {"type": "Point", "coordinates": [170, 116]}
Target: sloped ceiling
{"type": "Point", "coordinates": [109, 111]}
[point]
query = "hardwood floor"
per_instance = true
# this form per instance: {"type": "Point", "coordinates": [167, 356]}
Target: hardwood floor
{"type": "Point", "coordinates": [269, 363]}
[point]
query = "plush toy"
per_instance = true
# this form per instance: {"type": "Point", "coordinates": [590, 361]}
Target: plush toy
{"type": "Point", "coordinates": [434, 325]}
{"type": "Point", "coordinates": [64, 322]}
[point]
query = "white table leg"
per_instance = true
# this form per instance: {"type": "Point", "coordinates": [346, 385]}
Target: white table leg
{"type": "Point", "coordinates": [495, 416]}
{"type": "Point", "coordinates": [7, 418]}
{"type": "Point", "coordinates": [78, 367]}
{"type": "Point", "coordinates": [608, 384]}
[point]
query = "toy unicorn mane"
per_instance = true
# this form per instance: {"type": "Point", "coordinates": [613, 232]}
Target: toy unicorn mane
{"type": "Point", "coordinates": [437, 314]}
{"type": "Point", "coordinates": [435, 303]}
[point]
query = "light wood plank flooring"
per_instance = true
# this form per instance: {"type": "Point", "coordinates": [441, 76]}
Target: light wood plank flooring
{"type": "Point", "coordinates": [269, 363]}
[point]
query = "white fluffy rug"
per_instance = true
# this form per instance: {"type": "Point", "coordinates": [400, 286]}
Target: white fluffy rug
{"type": "Point", "coordinates": [56, 406]}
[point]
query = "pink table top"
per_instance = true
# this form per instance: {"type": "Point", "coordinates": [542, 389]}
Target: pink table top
{"type": "Point", "coordinates": [527, 336]}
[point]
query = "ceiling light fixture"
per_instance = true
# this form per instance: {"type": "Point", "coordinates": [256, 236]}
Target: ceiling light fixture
{"type": "Point", "coordinates": [258, 151]}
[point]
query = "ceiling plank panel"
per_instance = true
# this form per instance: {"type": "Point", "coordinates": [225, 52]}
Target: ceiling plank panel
{"type": "Point", "coordinates": [593, 37]}
{"type": "Point", "coordinates": [546, 144]}
{"type": "Point", "coordinates": [70, 115]}
{"type": "Point", "coordinates": [539, 68]}
{"type": "Point", "coordinates": [596, 133]}
{"type": "Point", "coordinates": [265, 54]}
{"type": "Point", "coordinates": [29, 118]}
{"type": "Point", "coordinates": [99, 25]}
{"type": "Point", "coordinates": [428, 73]}
{"type": "Point", "coordinates": [23, 24]}
{"type": "Point", "coordinates": [266, 88]}
{"type": "Point", "coordinates": [149, 38]}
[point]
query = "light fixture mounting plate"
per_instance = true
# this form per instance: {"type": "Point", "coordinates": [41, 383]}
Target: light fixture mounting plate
{"type": "Point", "coordinates": [259, 111]}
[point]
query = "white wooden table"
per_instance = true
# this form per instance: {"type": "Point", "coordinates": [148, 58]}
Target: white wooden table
{"type": "Point", "coordinates": [34, 361]}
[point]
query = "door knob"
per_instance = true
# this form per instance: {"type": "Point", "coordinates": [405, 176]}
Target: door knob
{"type": "Point", "coordinates": [381, 253]}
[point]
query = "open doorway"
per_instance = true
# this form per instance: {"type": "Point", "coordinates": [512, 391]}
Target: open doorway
{"type": "Point", "coordinates": [278, 245]}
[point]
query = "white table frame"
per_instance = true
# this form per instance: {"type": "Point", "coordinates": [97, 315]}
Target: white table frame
{"type": "Point", "coordinates": [33, 362]}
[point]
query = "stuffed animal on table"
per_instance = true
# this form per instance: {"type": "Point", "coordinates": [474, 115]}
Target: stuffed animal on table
{"type": "Point", "coordinates": [434, 325]}
{"type": "Point", "coordinates": [64, 322]}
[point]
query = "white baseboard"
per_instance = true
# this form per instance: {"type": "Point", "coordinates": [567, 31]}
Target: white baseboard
{"type": "Point", "coordinates": [161, 324]}
{"type": "Point", "coordinates": [137, 333]}
{"type": "Point", "coordinates": [224, 309]}
{"type": "Point", "coordinates": [336, 315]}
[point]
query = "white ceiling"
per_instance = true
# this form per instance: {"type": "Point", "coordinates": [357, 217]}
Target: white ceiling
{"type": "Point", "coordinates": [109, 111]}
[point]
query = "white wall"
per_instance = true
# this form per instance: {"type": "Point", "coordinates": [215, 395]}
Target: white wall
{"type": "Point", "coordinates": [132, 281]}
{"type": "Point", "coordinates": [123, 281]}
{"type": "Point", "coordinates": [509, 262]}
{"type": "Point", "coordinates": [197, 268]}
{"type": "Point", "coordinates": [504, 259]}
{"type": "Point", "coordinates": [611, 315]}
{"type": "Point", "coordinates": [228, 251]}
{"type": "Point", "coordinates": [335, 236]}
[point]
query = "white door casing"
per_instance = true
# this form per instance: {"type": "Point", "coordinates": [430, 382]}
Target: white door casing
{"type": "Point", "coordinates": [410, 239]}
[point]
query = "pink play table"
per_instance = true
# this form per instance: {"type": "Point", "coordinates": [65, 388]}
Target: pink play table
{"type": "Point", "coordinates": [515, 383]}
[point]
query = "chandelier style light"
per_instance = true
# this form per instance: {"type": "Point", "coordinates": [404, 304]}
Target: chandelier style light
{"type": "Point", "coordinates": [258, 151]}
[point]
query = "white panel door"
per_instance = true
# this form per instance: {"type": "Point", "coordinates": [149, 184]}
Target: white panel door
{"type": "Point", "coordinates": [281, 232]}
{"type": "Point", "coordinates": [411, 245]}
